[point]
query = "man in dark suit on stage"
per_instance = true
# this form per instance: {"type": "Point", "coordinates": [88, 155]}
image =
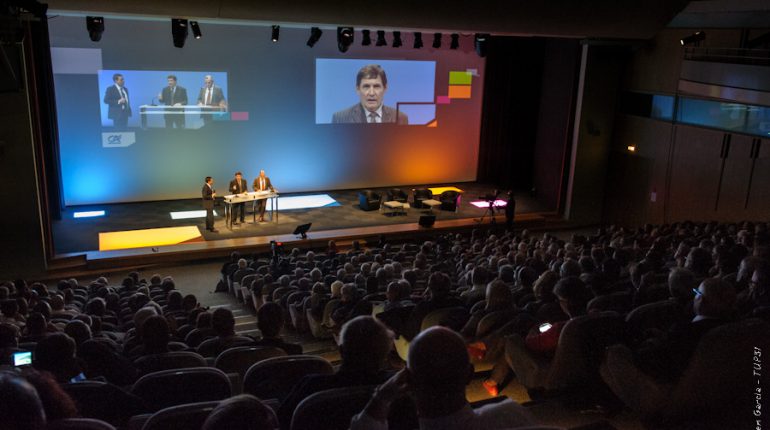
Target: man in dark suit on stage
{"type": "Point", "coordinates": [173, 95]}
{"type": "Point", "coordinates": [371, 85]}
{"type": "Point", "coordinates": [208, 195]}
{"type": "Point", "coordinates": [116, 97]}
{"type": "Point", "coordinates": [238, 186]}
{"type": "Point", "coordinates": [262, 183]}
{"type": "Point", "coordinates": [212, 96]}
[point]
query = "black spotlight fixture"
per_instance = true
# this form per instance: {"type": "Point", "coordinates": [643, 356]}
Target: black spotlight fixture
{"type": "Point", "coordinates": [366, 40]}
{"type": "Point", "coordinates": [455, 42]}
{"type": "Point", "coordinates": [417, 40]}
{"type": "Point", "coordinates": [693, 39]}
{"type": "Point", "coordinates": [345, 36]}
{"type": "Point", "coordinates": [95, 26]}
{"type": "Point", "coordinates": [480, 42]}
{"type": "Point", "coordinates": [179, 31]}
{"type": "Point", "coordinates": [437, 40]}
{"type": "Point", "coordinates": [315, 34]}
{"type": "Point", "coordinates": [276, 33]}
{"type": "Point", "coordinates": [196, 29]}
{"type": "Point", "coordinates": [381, 38]}
{"type": "Point", "coordinates": [397, 39]}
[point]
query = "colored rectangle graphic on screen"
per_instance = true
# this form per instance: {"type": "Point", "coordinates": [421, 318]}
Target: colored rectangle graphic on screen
{"type": "Point", "coordinates": [459, 92]}
{"type": "Point", "coordinates": [418, 113]}
{"type": "Point", "coordinates": [460, 78]}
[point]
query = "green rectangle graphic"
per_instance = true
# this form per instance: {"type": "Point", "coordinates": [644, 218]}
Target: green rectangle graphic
{"type": "Point", "coordinates": [460, 78]}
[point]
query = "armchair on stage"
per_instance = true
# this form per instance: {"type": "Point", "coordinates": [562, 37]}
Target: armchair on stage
{"type": "Point", "coordinates": [450, 200]}
{"type": "Point", "coordinates": [252, 197]}
{"type": "Point", "coordinates": [369, 200]}
{"type": "Point", "coordinates": [420, 195]}
{"type": "Point", "coordinates": [397, 195]}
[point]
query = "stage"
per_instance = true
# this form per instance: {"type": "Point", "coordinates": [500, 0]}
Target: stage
{"type": "Point", "coordinates": [336, 215]}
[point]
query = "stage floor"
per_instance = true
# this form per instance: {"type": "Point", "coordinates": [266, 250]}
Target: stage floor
{"type": "Point", "coordinates": [80, 235]}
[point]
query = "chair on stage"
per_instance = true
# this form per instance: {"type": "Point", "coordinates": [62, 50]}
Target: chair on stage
{"type": "Point", "coordinates": [369, 200]}
{"type": "Point", "coordinates": [397, 195]}
{"type": "Point", "coordinates": [420, 195]}
{"type": "Point", "coordinates": [450, 200]}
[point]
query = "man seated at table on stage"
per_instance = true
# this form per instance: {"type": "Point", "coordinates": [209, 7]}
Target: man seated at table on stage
{"type": "Point", "coordinates": [262, 183]}
{"type": "Point", "coordinates": [238, 186]}
{"type": "Point", "coordinates": [208, 195]}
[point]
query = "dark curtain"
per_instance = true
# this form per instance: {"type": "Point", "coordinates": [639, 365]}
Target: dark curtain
{"type": "Point", "coordinates": [512, 83]}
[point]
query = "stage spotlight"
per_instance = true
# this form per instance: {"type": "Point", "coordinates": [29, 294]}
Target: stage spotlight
{"type": "Point", "coordinates": [381, 38]}
{"type": "Point", "coordinates": [195, 29]}
{"type": "Point", "coordinates": [455, 43]}
{"type": "Point", "coordinates": [437, 40]}
{"type": "Point", "coordinates": [345, 36]}
{"type": "Point", "coordinates": [480, 41]}
{"type": "Point", "coordinates": [95, 26]}
{"type": "Point", "coordinates": [179, 31]}
{"type": "Point", "coordinates": [397, 39]}
{"type": "Point", "coordinates": [276, 33]}
{"type": "Point", "coordinates": [315, 35]}
{"type": "Point", "coordinates": [417, 40]}
{"type": "Point", "coordinates": [693, 39]}
{"type": "Point", "coordinates": [366, 40]}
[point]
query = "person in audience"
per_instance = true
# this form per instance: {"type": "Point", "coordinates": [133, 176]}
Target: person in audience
{"type": "Point", "coordinates": [699, 262]}
{"type": "Point", "coordinates": [438, 297]}
{"type": "Point", "coordinates": [21, 407]}
{"type": "Point", "coordinates": [241, 412]}
{"type": "Point", "coordinates": [437, 373]}
{"type": "Point", "coordinates": [350, 306]}
{"type": "Point", "coordinates": [666, 358]}
{"type": "Point", "coordinates": [56, 354]}
{"type": "Point", "coordinates": [365, 344]}
{"type": "Point", "coordinates": [223, 323]}
{"type": "Point", "coordinates": [478, 289]}
{"type": "Point", "coordinates": [270, 323]}
{"type": "Point", "coordinates": [57, 404]}
{"type": "Point", "coordinates": [36, 328]}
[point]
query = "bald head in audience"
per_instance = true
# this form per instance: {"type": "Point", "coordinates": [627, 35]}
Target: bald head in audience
{"type": "Point", "coordinates": [364, 344]}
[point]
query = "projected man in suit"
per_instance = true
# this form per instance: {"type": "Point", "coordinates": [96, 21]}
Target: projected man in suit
{"type": "Point", "coordinates": [116, 98]}
{"type": "Point", "coordinates": [262, 183]}
{"type": "Point", "coordinates": [173, 95]}
{"type": "Point", "coordinates": [238, 186]}
{"type": "Point", "coordinates": [371, 85]}
{"type": "Point", "coordinates": [211, 95]}
{"type": "Point", "coordinates": [208, 193]}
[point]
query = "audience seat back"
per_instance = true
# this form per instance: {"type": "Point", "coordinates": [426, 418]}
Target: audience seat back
{"type": "Point", "coordinates": [454, 318]}
{"type": "Point", "coordinates": [659, 315]}
{"type": "Point", "coordinates": [79, 424]}
{"type": "Point", "coordinates": [169, 360]}
{"type": "Point", "coordinates": [168, 388]}
{"type": "Point", "coordinates": [190, 416]}
{"type": "Point", "coordinates": [240, 359]}
{"type": "Point", "coordinates": [274, 378]}
{"type": "Point", "coordinates": [616, 302]}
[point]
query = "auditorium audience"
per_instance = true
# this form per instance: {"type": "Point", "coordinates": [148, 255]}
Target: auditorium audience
{"type": "Point", "coordinates": [270, 323]}
{"type": "Point", "coordinates": [223, 323]}
{"type": "Point", "coordinates": [241, 412]}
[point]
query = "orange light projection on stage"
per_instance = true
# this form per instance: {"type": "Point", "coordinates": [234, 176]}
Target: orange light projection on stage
{"type": "Point", "coordinates": [111, 241]}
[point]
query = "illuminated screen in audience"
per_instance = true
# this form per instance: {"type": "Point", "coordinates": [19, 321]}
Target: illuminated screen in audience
{"type": "Point", "coordinates": [141, 120]}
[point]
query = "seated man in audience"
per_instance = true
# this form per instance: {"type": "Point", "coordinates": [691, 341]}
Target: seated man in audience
{"type": "Point", "coordinates": [437, 373]}
{"type": "Point", "coordinates": [21, 407]}
{"type": "Point", "coordinates": [223, 323]}
{"type": "Point", "coordinates": [668, 357]}
{"type": "Point", "coordinates": [270, 322]}
{"type": "Point", "coordinates": [439, 286]}
{"type": "Point", "coordinates": [364, 347]}
{"type": "Point", "coordinates": [241, 412]}
{"type": "Point", "coordinates": [350, 306]}
{"type": "Point", "coordinates": [56, 354]}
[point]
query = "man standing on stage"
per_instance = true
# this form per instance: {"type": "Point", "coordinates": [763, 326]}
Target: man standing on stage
{"type": "Point", "coordinates": [238, 186]}
{"type": "Point", "coordinates": [173, 95]}
{"type": "Point", "coordinates": [262, 183]}
{"type": "Point", "coordinates": [116, 98]}
{"type": "Point", "coordinates": [208, 193]}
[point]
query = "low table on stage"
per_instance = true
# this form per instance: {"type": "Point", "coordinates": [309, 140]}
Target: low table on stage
{"type": "Point", "coordinates": [148, 112]}
{"type": "Point", "coordinates": [252, 197]}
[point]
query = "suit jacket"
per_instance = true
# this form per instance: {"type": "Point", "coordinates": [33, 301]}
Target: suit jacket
{"type": "Point", "coordinates": [268, 185]}
{"type": "Point", "coordinates": [179, 96]}
{"type": "Point", "coordinates": [111, 98]}
{"type": "Point", "coordinates": [234, 186]}
{"type": "Point", "coordinates": [356, 115]}
{"type": "Point", "coordinates": [217, 96]}
{"type": "Point", "coordinates": [208, 197]}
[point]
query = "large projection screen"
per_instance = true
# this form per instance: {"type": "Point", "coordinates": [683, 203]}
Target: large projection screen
{"type": "Point", "coordinates": [270, 106]}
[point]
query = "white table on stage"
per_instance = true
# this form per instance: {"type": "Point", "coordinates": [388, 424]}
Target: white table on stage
{"type": "Point", "coordinates": [152, 115]}
{"type": "Point", "coordinates": [252, 197]}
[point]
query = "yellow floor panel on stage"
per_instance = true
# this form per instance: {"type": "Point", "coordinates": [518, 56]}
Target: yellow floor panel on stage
{"type": "Point", "coordinates": [438, 190]}
{"type": "Point", "coordinates": [149, 237]}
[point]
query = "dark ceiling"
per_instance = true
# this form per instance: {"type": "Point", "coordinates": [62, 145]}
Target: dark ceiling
{"type": "Point", "coordinates": [614, 19]}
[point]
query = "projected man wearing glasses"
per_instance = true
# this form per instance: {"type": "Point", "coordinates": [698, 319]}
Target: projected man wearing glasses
{"type": "Point", "coordinates": [116, 98]}
{"type": "Point", "coordinates": [211, 95]}
{"type": "Point", "coordinates": [371, 85]}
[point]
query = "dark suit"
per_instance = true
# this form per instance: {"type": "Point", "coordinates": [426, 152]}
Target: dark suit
{"type": "Point", "coordinates": [217, 99]}
{"type": "Point", "coordinates": [261, 204]}
{"type": "Point", "coordinates": [169, 98]}
{"type": "Point", "coordinates": [118, 113]}
{"type": "Point", "coordinates": [238, 188]}
{"type": "Point", "coordinates": [208, 203]}
{"type": "Point", "coordinates": [356, 114]}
